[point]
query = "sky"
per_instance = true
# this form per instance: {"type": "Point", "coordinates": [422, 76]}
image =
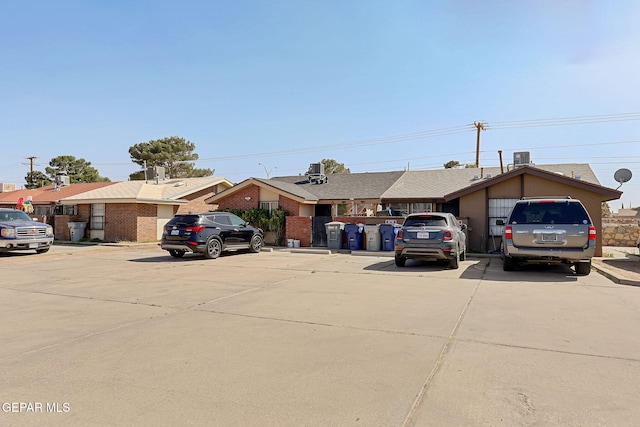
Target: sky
{"type": "Point", "coordinates": [264, 88]}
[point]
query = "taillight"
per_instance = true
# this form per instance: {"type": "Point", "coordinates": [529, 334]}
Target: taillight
{"type": "Point", "coordinates": [400, 235]}
{"type": "Point", "coordinates": [592, 233]}
{"type": "Point", "coordinates": [508, 232]}
{"type": "Point", "coordinates": [448, 235]}
{"type": "Point", "coordinates": [195, 229]}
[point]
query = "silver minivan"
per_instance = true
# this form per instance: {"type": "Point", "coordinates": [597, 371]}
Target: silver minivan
{"type": "Point", "coordinates": [548, 230]}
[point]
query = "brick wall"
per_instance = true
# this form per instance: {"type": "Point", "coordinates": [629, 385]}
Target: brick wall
{"type": "Point", "coordinates": [289, 205]}
{"type": "Point", "coordinates": [147, 223]}
{"type": "Point", "coordinates": [298, 228]}
{"type": "Point", "coordinates": [238, 201]}
{"type": "Point", "coordinates": [197, 202]}
{"type": "Point", "coordinates": [121, 222]}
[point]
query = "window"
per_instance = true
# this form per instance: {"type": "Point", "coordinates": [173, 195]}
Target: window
{"type": "Point", "coordinates": [421, 207]}
{"type": "Point", "coordinates": [97, 216]}
{"type": "Point", "coordinates": [66, 210]}
{"type": "Point", "coordinates": [499, 209]}
{"type": "Point", "coordinates": [269, 205]}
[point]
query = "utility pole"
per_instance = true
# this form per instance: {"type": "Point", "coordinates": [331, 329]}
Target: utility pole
{"type": "Point", "coordinates": [30, 164]}
{"type": "Point", "coordinates": [479, 126]}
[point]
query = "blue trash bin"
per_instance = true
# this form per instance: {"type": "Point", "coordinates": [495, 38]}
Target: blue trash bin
{"type": "Point", "coordinates": [388, 236]}
{"type": "Point", "coordinates": [354, 236]}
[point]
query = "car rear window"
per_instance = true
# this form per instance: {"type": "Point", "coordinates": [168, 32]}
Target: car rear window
{"type": "Point", "coordinates": [184, 220]}
{"type": "Point", "coordinates": [549, 213]}
{"type": "Point", "coordinates": [425, 220]}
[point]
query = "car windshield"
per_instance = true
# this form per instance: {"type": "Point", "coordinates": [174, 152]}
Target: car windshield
{"type": "Point", "coordinates": [423, 221]}
{"type": "Point", "coordinates": [549, 213]}
{"type": "Point", "coordinates": [14, 216]}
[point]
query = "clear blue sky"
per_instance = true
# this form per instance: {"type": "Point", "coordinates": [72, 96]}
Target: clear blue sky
{"type": "Point", "coordinates": [377, 85]}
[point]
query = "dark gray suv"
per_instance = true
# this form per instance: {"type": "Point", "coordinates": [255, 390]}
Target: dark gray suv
{"type": "Point", "coordinates": [209, 233]}
{"type": "Point", "coordinates": [548, 230]}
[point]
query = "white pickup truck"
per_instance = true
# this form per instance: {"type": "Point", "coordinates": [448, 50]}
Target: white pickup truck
{"type": "Point", "coordinates": [19, 232]}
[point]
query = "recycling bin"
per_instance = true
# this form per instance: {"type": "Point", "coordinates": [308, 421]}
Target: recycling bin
{"type": "Point", "coordinates": [372, 237]}
{"type": "Point", "coordinates": [387, 236]}
{"type": "Point", "coordinates": [354, 236]}
{"type": "Point", "coordinates": [334, 234]}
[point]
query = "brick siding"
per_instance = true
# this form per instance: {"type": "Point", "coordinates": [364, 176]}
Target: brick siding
{"type": "Point", "coordinates": [238, 201]}
{"type": "Point", "coordinates": [299, 228]}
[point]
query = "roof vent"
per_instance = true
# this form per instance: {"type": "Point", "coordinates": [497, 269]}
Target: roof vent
{"type": "Point", "coordinates": [488, 175]}
{"type": "Point", "coordinates": [315, 174]}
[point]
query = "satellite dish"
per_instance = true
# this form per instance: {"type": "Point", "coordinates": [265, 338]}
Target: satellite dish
{"type": "Point", "coordinates": [622, 176]}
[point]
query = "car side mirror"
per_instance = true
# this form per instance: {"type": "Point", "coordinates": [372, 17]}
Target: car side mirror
{"type": "Point", "coordinates": [463, 227]}
{"type": "Point", "coordinates": [499, 222]}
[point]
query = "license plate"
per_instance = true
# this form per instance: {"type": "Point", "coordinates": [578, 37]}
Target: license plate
{"type": "Point", "coordinates": [422, 235]}
{"type": "Point", "coordinates": [549, 238]}
{"type": "Point", "coordinates": [33, 245]}
{"type": "Point", "coordinates": [175, 232]}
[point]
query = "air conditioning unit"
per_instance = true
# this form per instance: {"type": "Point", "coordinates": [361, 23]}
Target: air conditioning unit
{"type": "Point", "coordinates": [521, 158]}
{"type": "Point", "coordinates": [316, 174]}
{"type": "Point", "coordinates": [5, 187]}
{"type": "Point", "coordinates": [62, 180]}
{"type": "Point", "coordinates": [156, 173]}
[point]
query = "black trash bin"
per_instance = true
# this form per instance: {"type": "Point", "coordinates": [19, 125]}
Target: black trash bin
{"type": "Point", "coordinates": [354, 236]}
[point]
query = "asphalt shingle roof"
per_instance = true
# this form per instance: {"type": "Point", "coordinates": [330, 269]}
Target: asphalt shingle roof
{"type": "Point", "coordinates": [368, 185]}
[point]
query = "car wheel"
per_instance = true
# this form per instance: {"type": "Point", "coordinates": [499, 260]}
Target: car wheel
{"type": "Point", "coordinates": [41, 251]}
{"type": "Point", "coordinates": [455, 261]}
{"type": "Point", "coordinates": [213, 248]}
{"type": "Point", "coordinates": [176, 253]}
{"type": "Point", "coordinates": [256, 243]}
{"type": "Point", "coordinates": [583, 268]}
{"type": "Point", "coordinates": [400, 260]}
{"type": "Point", "coordinates": [508, 264]}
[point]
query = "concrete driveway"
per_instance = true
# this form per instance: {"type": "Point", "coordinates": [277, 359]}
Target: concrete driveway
{"type": "Point", "coordinates": [131, 336]}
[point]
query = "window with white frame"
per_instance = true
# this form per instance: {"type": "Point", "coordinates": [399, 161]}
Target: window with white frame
{"type": "Point", "coordinates": [269, 205]}
{"type": "Point", "coordinates": [499, 209]}
{"type": "Point", "coordinates": [97, 216]}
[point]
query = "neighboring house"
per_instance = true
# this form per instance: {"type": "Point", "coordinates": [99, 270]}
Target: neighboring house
{"type": "Point", "coordinates": [136, 211]}
{"type": "Point", "coordinates": [477, 196]}
{"type": "Point", "coordinates": [118, 211]}
{"type": "Point", "coordinates": [45, 199]}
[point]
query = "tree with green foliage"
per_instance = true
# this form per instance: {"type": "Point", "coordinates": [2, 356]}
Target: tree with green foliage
{"type": "Point", "coordinates": [453, 164]}
{"type": "Point", "coordinates": [175, 154]}
{"type": "Point", "coordinates": [332, 166]}
{"type": "Point", "coordinates": [78, 170]}
{"type": "Point", "coordinates": [36, 179]}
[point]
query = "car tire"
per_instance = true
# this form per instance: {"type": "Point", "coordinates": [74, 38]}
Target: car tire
{"type": "Point", "coordinates": [400, 261]}
{"type": "Point", "coordinates": [583, 268]}
{"type": "Point", "coordinates": [176, 253]}
{"type": "Point", "coordinates": [213, 248]}
{"type": "Point", "coordinates": [256, 243]}
{"type": "Point", "coordinates": [455, 261]}
{"type": "Point", "coordinates": [508, 264]}
{"type": "Point", "coordinates": [41, 251]}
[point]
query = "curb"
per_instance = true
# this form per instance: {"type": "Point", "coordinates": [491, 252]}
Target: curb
{"type": "Point", "coordinates": [614, 277]}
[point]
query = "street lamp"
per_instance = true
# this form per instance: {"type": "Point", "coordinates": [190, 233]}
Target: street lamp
{"type": "Point", "coordinates": [267, 171]}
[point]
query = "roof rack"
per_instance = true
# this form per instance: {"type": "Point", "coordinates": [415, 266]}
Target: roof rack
{"type": "Point", "coordinates": [545, 197]}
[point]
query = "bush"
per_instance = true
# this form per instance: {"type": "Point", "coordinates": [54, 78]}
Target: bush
{"type": "Point", "coordinates": [273, 221]}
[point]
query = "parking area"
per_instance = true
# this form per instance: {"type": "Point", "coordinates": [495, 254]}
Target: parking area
{"type": "Point", "coordinates": [130, 336]}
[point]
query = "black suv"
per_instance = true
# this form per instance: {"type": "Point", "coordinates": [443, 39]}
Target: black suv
{"type": "Point", "coordinates": [209, 233]}
{"type": "Point", "coordinates": [548, 230]}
